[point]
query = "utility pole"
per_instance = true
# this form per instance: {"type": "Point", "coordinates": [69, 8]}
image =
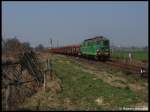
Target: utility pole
{"type": "Point", "coordinates": [51, 43]}
{"type": "Point", "coordinates": [57, 44]}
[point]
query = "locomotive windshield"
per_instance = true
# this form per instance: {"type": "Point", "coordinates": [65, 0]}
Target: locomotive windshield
{"type": "Point", "coordinates": [106, 43]}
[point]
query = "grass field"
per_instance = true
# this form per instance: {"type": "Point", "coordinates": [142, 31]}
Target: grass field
{"type": "Point", "coordinates": [137, 55]}
{"type": "Point", "coordinates": [88, 87]}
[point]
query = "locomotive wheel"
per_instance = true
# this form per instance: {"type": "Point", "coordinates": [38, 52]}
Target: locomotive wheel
{"type": "Point", "coordinates": [96, 57]}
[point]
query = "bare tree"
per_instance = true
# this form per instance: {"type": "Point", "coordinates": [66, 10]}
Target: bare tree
{"type": "Point", "coordinates": [40, 47]}
{"type": "Point", "coordinates": [26, 45]}
{"type": "Point", "coordinates": [12, 48]}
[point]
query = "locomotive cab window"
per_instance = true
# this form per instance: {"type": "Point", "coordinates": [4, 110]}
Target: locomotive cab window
{"type": "Point", "coordinates": [106, 43]}
{"type": "Point", "coordinates": [97, 42]}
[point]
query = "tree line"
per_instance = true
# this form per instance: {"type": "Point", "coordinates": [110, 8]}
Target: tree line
{"type": "Point", "coordinates": [14, 45]}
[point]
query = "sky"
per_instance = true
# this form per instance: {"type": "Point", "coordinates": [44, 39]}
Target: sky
{"type": "Point", "coordinates": [67, 23]}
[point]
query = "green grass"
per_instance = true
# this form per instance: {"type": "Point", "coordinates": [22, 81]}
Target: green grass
{"type": "Point", "coordinates": [137, 55]}
{"type": "Point", "coordinates": [83, 90]}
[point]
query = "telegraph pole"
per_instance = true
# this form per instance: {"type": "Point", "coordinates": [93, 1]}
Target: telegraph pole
{"type": "Point", "coordinates": [51, 43]}
{"type": "Point", "coordinates": [57, 44]}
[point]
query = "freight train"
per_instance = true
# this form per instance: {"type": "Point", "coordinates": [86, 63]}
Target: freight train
{"type": "Point", "coordinates": [97, 48]}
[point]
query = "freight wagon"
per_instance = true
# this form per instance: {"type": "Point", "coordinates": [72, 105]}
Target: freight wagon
{"type": "Point", "coordinates": [97, 48]}
{"type": "Point", "coordinates": [67, 50]}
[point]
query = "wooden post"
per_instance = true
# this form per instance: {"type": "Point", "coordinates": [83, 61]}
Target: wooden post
{"type": "Point", "coordinates": [44, 85]}
{"type": "Point", "coordinates": [7, 96]}
{"type": "Point", "coordinates": [50, 61]}
{"type": "Point", "coordinates": [47, 66]}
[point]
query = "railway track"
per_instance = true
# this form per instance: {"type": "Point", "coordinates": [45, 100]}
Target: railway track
{"type": "Point", "coordinates": [133, 69]}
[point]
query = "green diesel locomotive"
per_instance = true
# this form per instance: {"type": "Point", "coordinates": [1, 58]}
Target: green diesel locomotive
{"type": "Point", "coordinates": [97, 48]}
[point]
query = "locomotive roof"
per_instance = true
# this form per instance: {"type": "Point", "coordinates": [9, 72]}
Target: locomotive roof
{"type": "Point", "coordinates": [97, 38]}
